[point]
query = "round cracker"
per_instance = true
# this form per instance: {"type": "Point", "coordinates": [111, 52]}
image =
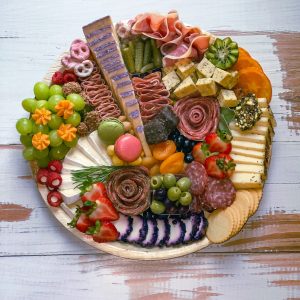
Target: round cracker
{"type": "Point", "coordinates": [236, 218]}
{"type": "Point", "coordinates": [255, 199]}
{"type": "Point", "coordinates": [246, 199]}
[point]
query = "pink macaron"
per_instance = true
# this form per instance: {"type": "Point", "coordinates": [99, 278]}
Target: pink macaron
{"type": "Point", "coordinates": [128, 147]}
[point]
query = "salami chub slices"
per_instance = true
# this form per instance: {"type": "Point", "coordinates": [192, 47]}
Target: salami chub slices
{"type": "Point", "coordinates": [198, 176]}
{"type": "Point", "coordinates": [129, 190]}
{"type": "Point", "coordinates": [198, 116]}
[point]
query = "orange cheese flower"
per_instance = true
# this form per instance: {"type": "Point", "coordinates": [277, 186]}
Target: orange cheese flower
{"type": "Point", "coordinates": [41, 116]}
{"type": "Point", "coordinates": [40, 141]}
{"type": "Point", "coordinates": [64, 108]}
{"type": "Point", "coordinates": [67, 132]}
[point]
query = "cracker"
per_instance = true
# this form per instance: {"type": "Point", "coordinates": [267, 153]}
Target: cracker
{"type": "Point", "coordinates": [255, 199]}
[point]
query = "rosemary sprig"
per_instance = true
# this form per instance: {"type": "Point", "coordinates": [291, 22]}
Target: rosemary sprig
{"type": "Point", "coordinates": [85, 177]}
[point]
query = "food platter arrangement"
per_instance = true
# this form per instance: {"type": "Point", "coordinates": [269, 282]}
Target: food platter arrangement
{"type": "Point", "coordinates": [150, 139]}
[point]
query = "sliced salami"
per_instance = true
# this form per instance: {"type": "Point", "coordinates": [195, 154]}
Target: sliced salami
{"type": "Point", "coordinates": [219, 193]}
{"type": "Point", "coordinates": [198, 176]}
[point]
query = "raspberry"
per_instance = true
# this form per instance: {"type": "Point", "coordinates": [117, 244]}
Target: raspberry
{"type": "Point", "coordinates": [58, 78]}
{"type": "Point", "coordinates": [69, 76]}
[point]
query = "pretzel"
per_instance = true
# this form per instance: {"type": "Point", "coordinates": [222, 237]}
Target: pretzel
{"type": "Point", "coordinates": [84, 69]}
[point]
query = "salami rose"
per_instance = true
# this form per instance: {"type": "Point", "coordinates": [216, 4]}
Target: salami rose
{"type": "Point", "coordinates": [198, 116]}
{"type": "Point", "coordinates": [129, 190]}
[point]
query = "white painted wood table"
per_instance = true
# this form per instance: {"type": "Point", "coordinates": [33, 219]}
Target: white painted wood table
{"type": "Point", "coordinates": [39, 259]}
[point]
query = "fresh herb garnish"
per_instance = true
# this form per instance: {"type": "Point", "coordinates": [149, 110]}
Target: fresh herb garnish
{"type": "Point", "coordinates": [226, 116]}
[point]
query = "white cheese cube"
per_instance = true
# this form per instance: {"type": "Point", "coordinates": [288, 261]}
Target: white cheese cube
{"type": "Point", "coordinates": [246, 180]}
{"type": "Point", "coordinates": [171, 80]}
{"type": "Point", "coordinates": [186, 88]}
{"type": "Point", "coordinates": [185, 67]}
{"type": "Point", "coordinates": [224, 78]}
{"type": "Point", "coordinates": [227, 98]}
{"type": "Point", "coordinates": [205, 68]}
{"type": "Point", "coordinates": [206, 87]}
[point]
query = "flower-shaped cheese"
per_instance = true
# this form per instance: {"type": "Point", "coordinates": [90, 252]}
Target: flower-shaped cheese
{"type": "Point", "coordinates": [41, 116]}
{"type": "Point", "coordinates": [64, 108]}
{"type": "Point", "coordinates": [67, 132]}
{"type": "Point", "coordinates": [40, 141]}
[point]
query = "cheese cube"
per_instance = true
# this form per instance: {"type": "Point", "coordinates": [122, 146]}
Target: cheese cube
{"type": "Point", "coordinates": [206, 87]}
{"type": "Point", "coordinates": [227, 98]}
{"type": "Point", "coordinates": [185, 67]}
{"type": "Point", "coordinates": [248, 145]}
{"type": "Point", "coordinates": [249, 153]}
{"type": "Point", "coordinates": [262, 102]}
{"type": "Point", "coordinates": [186, 88]}
{"type": "Point", "coordinates": [243, 168]}
{"type": "Point", "coordinates": [242, 159]}
{"type": "Point", "coordinates": [205, 68]}
{"type": "Point", "coordinates": [225, 79]}
{"type": "Point", "coordinates": [246, 180]}
{"type": "Point", "coordinates": [167, 70]}
{"type": "Point", "coordinates": [171, 80]}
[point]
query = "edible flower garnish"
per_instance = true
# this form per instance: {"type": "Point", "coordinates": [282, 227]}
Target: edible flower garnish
{"type": "Point", "coordinates": [40, 141]}
{"type": "Point", "coordinates": [41, 116]}
{"type": "Point", "coordinates": [67, 132]}
{"type": "Point", "coordinates": [64, 108]}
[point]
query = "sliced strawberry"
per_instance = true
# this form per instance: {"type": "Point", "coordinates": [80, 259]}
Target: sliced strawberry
{"type": "Point", "coordinates": [218, 143]}
{"type": "Point", "coordinates": [219, 166]}
{"type": "Point", "coordinates": [106, 233]}
{"type": "Point", "coordinates": [83, 223]}
{"type": "Point", "coordinates": [97, 190]}
{"type": "Point", "coordinates": [200, 152]}
{"type": "Point", "coordinates": [104, 211]}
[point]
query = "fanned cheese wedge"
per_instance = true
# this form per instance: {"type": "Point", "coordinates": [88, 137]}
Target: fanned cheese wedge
{"type": "Point", "coordinates": [85, 147]}
{"type": "Point", "coordinates": [244, 168]}
{"type": "Point", "coordinates": [76, 157]}
{"type": "Point", "coordinates": [70, 196]}
{"type": "Point", "coordinates": [262, 102]}
{"type": "Point", "coordinates": [265, 112]}
{"type": "Point", "coordinates": [241, 159]}
{"type": "Point", "coordinates": [262, 130]}
{"type": "Point", "coordinates": [248, 145]}
{"type": "Point", "coordinates": [248, 137]}
{"type": "Point", "coordinates": [246, 180]}
{"type": "Point", "coordinates": [249, 153]}
{"type": "Point", "coordinates": [96, 143]}
{"type": "Point", "coordinates": [263, 121]}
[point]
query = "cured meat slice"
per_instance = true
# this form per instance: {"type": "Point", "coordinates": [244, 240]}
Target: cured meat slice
{"type": "Point", "coordinates": [219, 193]}
{"type": "Point", "coordinates": [198, 176]}
{"type": "Point", "coordinates": [198, 116]}
{"type": "Point", "coordinates": [152, 95]}
{"type": "Point", "coordinates": [129, 190]}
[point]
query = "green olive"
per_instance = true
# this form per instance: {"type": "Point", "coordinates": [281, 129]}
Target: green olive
{"type": "Point", "coordinates": [157, 207]}
{"type": "Point", "coordinates": [184, 184]}
{"type": "Point", "coordinates": [185, 198]}
{"type": "Point", "coordinates": [174, 193]}
{"type": "Point", "coordinates": [169, 180]}
{"type": "Point", "coordinates": [155, 182]}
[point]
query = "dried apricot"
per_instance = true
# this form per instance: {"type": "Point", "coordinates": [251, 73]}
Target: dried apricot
{"type": "Point", "coordinates": [173, 164]}
{"type": "Point", "coordinates": [163, 150]}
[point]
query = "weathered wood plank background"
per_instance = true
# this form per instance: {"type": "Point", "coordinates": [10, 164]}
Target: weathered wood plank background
{"type": "Point", "coordinates": [39, 259]}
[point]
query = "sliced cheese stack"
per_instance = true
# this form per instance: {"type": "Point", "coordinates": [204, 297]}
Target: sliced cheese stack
{"type": "Point", "coordinates": [250, 150]}
{"type": "Point", "coordinates": [103, 43]}
{"type": "Point", "coordinates": [89, 152]}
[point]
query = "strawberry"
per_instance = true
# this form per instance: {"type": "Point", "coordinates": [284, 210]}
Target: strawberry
{"type": "Point", "coordinates": [83, 223]}
{"type": "Point", "coordinates": [219, 166]}
{"type": "Point", "coordinates": [200, 152]}
{"type": "Point", "coordinates": [218, 142]}
{"type": "Point", "coordinates": [103, 211]}
{"type": "Point", "coordinates": [97, 190]}
{"type": "Point", "coordinates": [106, 233]}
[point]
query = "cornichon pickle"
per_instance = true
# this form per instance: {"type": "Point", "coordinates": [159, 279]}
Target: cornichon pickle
{"type": "Point", "coordinates": [139, 54]}
{"type": "Point", "coordinates": [128, 59]}
{"type": "Point", "coordinates": [223, 53]}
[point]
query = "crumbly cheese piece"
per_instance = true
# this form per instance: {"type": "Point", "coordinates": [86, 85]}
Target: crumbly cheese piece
{"type": "Point", "coordinates": [262, 102]}
{"type": "Point", "coordinates": [249, 153]}
{"type": "Point", "coordinates": [248, 137]}
{"type": "Point", "coordinates": [171, 80]}
{"type": "Point", "coordinates": [205, 68]}
{"type": "Point", "coordinates": [246, 180]}
{"type": "Point", "coordinates": [224, 78]}
{"type": "Point", "coordinates": [243, 168]}
{"type": "Point", "coordinates": [227, 98]}
{"type": "Point", "coordinates": [242, 159]}
{"type": "Point", "coordinates": [206, 87]}
{"type": "Point", "coordinates": [186, 88]}
{"type": "Point", "coordinates": [185, 67]}
{"type": "Point", "coordinates": [248, 145]}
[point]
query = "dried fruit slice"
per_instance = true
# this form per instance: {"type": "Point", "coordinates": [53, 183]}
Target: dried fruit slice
{"type": "Point", "coordinates": [220, 226]}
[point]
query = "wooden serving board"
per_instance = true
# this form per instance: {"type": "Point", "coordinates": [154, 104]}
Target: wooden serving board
{"type": "Point", "coordinates": [64, 215]}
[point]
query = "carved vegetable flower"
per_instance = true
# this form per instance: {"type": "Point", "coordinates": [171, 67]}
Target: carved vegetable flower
{"type": "Point", "coordinates": [41, 116]}
{"type": "Point", "coordinates": [67, 132]}
{"type": "Point", "coordinates": [64, 108]}
{"type": "Point", "coordinates": [40, 141]}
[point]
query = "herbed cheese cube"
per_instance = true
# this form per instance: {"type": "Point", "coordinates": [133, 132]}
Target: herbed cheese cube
{"type": "Point", "coordinates": [226, 79]}
{"type": "Point", "coordinates": [205, 68]}
{"type": "Point", "coordinates": [206, 87]}
{"type": "Point", "coordinates": [186, 88]}
{"type": "Point", "coordinates": [171, 80]}
{"type": "Point", "coordinates": [185, 67]}
{"type": "Point", "coordinates": [227, 98]}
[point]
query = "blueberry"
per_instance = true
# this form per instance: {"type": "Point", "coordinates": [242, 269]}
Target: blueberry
{"type": "Point", "coordinates": [179, 140]}
{"type": "Point", "coordinates": [187, 146]}
{"type": "Point", "coordinates": [188, 158]}
{"type": "Point", "coordinates": [160, 194]}
{"type": "Point", "coordinates": [183, 210]}
{"type": "Point", "coordinates": [193, 143]}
